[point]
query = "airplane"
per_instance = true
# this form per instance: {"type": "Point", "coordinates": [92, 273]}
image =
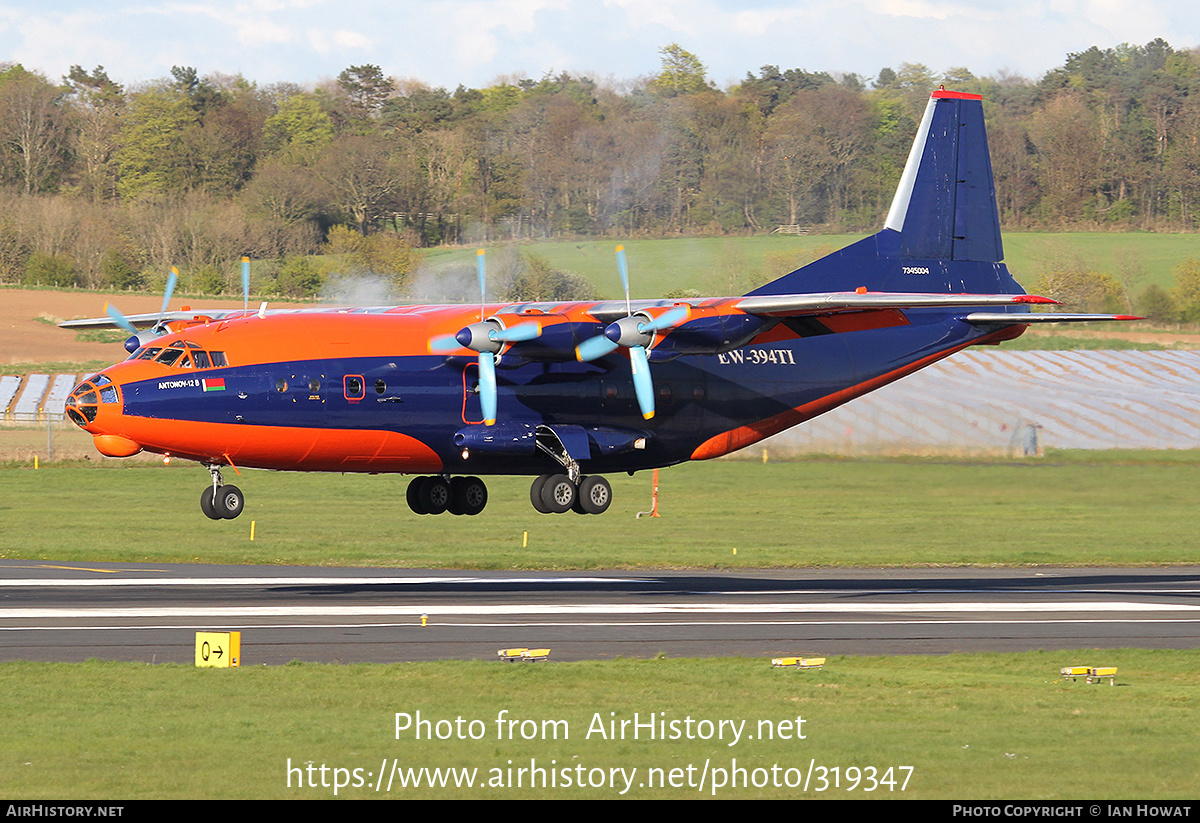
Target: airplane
{"type": "Point", "coordinates": [566, 392]}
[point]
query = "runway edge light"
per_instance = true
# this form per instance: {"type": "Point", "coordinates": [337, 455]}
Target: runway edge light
{"type": "Point", "coordinates": [219, 650]}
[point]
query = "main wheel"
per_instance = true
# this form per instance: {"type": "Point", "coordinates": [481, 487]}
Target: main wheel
{"type": "Point", "coordinates": [206, 504]}
{"type": "Point", "coordinates": [595, 495]}
{"type": "Point", "coordinates": [435, 494]}
{"type": "Point", "coordinates": [535, 493]}
{"type": "Point", "coordinates": [230, 502]}
{"type": "Point", "coordinates": [558, 495]}
{"type": "Point", "coordinates": [413, 495]}
{"type": "Point", "coordinates": [470, 495]}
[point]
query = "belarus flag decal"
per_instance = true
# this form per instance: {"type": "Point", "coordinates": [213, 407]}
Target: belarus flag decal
{"type": "Point", "coordinates": [214, 384]}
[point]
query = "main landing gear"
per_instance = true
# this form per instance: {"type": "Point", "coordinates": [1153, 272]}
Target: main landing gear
{"type": "Point", "coordinates": [221, 501]}
{"type": "Point", "coordinates": [568, 489]}
{"type": "Point", "coordinates": [437, 494]}
{"type": "Point", "coordinates": [556, 493]}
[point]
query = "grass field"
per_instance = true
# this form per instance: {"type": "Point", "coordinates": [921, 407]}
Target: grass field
{"type": "Point", "coordinates": [978, 726]}
{"type": "Point", "coordinates": [1084, 508]}
{"type": "Point", "coordinates": [733, 265]}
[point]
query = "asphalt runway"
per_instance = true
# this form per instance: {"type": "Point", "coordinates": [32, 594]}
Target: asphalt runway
{"type": "Point", "coordinates": [140, 612]}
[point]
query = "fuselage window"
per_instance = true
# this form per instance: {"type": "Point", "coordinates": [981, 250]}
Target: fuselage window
{"type": "Point", "coordinates": [380, 386]}
{"type": "Point", "coordinates": [281, 385]}
{"type": "Point", "coordinates": [353, 385]}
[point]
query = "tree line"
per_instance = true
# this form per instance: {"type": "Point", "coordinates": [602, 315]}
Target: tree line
{"type": "Point", "coordinates": [103, 185]}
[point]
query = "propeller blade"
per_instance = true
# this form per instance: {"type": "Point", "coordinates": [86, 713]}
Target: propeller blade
{"type": "Point", "coordinates": [118, 318]}
{"type": "Point", "coordinates": [643, 386]}
{"type": "Point", "coordinates": [597, 347]}
{"type": "Point", "coordinates": [517, 333]}
{"type": "Point", "coordinates": [667, 320]}
{"type": "Point", "coordinates": [246, 284]}
{"type": "Point", "coordinates": [487, 386]}
{"type": "Point", "coordinates": [624, 269]}
{"type": "Point", "coordinates": [594, 348]}
{"type": "Point", "coordinates": [171, 281]}
{"type": "Point", "coordinates": [481, 273]}
{"type": "Point", "coordinates": [444, 344]}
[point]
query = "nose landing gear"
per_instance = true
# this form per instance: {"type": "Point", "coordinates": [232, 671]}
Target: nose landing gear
{"type": "Point", "coordinates": [221, 502]}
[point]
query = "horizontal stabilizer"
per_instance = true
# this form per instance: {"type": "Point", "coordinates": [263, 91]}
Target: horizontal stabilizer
{"type": "Point", "coordinates": [983, 318]}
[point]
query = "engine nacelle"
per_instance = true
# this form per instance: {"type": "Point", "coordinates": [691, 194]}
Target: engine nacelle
{"type": "Point", "coordinates": [715, 334]}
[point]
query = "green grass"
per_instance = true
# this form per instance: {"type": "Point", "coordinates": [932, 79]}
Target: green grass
{"type": "Point", "coordinates": [57, 366]}
{"type": "Point", "coordinates": [732, 265]}
{"type": "Point", "coordinates": [1066, 342]}
{"type": "Point", "coordinates": [1088, 508]}
{"type": "Point", "coordinates": [979, 726]}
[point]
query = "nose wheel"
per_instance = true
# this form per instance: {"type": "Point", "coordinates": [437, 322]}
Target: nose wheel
{"type": "Point", "coordinates": [221, 501]}
{"type": "Point", "coordinates": [555, 494]}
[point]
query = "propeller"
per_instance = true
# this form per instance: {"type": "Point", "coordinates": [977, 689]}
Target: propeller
{"type": "Point", "coordinates": [141, 338]}
{"type": "Point", "coordinates": [488, 337]}
{"type": "Point", "coordinates": [636, 333]}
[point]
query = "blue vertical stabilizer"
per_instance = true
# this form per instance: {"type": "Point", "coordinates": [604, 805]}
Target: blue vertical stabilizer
{"type": "Point", "coordinates": [942, 233]}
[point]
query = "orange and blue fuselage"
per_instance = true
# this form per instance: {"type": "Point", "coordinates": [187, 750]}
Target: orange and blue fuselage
{"type": "Point", "coordinates": [360, 391]}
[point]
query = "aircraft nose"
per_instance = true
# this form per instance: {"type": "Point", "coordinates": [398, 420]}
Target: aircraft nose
{"type": "Point", "coordinates": [95, 407]}
{"type": "Point", "coordinates": [89, 397]}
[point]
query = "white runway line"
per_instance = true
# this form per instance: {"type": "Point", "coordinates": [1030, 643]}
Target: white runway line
{"type": "Point", "coordinates": [592, 608]}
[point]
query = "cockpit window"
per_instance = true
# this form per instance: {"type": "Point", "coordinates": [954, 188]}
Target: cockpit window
{"type": "Point", "coordinates": [176, 356]}
{"type": "Point", "coordinates": [169, 356]}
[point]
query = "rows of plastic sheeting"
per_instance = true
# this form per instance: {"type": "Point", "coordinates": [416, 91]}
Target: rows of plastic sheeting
{"type": "Point", "coordinates": [37, 397]}
{"type": "Point", "coordinates": [8, 390]}
{"type": "Point", "coordinates": [1020, 402]}
{"type": "Point", "coordinates": [55, 404]}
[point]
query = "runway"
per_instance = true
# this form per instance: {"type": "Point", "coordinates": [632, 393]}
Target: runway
{"type": "Point", "coordinates": [150, 613]}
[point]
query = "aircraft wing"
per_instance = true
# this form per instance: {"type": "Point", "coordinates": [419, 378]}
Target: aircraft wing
{"type": "Point", "coordinates": [780, 305]}
{"type": "Point", "coordinates": [790, 305]}
{"type": "Point", "coordinates": [148, 321]}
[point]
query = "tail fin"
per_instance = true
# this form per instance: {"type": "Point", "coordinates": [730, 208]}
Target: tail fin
{"type": "Point", "coordinates": [942, 233]}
